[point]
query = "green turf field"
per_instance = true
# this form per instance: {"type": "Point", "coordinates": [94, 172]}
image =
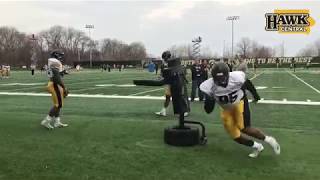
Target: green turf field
{"type": "Point", "coordinates": [121, 138]}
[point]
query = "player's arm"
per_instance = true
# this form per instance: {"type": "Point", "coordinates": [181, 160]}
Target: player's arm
{"type": "Point", "coordinates": [209, 101]}
{"type": "Point", "coordinates": [250, 87]}
{"type": "Point", "coordinates": [56, 78]}
{"type": "Point", "coordinates": [209, 104]}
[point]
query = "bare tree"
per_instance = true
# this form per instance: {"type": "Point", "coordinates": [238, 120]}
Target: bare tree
{"type": "Point", "coordinates": [137, 51]}
{"type": "Point", "coordinates": [317, 46]}
{"type": "Point", "coordinates": [14, 47]}
{"type": "Point", "coordinates": [309, 50]}
{"type": "Point", "coordinates": [183, 51]}
{"type": "Point", "coordinates": [113, 49]}
{"type": "Point", "coordinates": [244, 46]}
{"type": "Point", "coordinates": [206, 52]}
{"type": "Point", "coordinates": [74, 42]}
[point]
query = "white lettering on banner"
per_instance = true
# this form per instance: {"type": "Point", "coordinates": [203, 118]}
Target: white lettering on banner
{"type": "Point", "coordinates": [282, 60]}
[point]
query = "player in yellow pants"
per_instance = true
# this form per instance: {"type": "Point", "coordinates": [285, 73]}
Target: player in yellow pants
{"type": "Point", "coordinates": [57, 90]}
{"type": "Point", "coordinates": [228, 90]}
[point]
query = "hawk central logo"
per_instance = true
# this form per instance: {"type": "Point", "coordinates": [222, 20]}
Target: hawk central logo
{"type": "Point", "coordinates": [289, 21]}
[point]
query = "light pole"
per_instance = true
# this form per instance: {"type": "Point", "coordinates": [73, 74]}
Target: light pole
{"type": "Point", "coordinates": [232, 18]}
{"type": "Point", "coordinates": [196, 47]}
{"type": "Point", "coordinates": [33, 50]}
{"type": "Point", "coordinates": [89, 27]}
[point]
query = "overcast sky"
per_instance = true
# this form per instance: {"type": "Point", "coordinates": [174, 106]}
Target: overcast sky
{"type": "Point", "coordinates": [161, 24]}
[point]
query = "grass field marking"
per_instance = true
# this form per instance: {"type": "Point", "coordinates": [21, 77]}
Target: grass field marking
{"type": "Point", "coordinates": [21, 84]}
{"type": "Point", "coordinates": [68, 84]}
{"type": "Point", "coordinates": [105, 86]}
{"type": "Point", "coordinates": [115, 85]}
{"type": "Point", "coordinates": [152, 98]}
{"type": "Point", "coordinates": [255, 76]}
{"type": "Point", "coordinates": [28, 88]}
{"type": "Point", "coordinates": [85, 89]}
{"type": "Point", "coordinates": [304, 82]}
{"type": "Point", "coordinates": [261, 87]}
{"type": "Point", "coordinates": [145, 144]}
{"type": "Point", "coordinates": [143, 92]}
{"type": "Point", "coordinates": [95, 80]}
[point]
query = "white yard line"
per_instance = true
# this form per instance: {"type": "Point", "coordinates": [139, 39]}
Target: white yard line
{"type": "Point", "coordinates": [73, 83]}
{"type": "Point", "coordinates": [152, 98]}
{"type": "Point", "coordinates": [304, 82]}
{"type": "Point", "coordinates": [85, 89]}
{"type": "Point", "coordinates": [255, 76]}
{"type": "Point", "coordinates": [28, 88]}
{"type": "Point", "coordinates": [143, 92]}
{"type": "Point", "coordinates": [22, 84]}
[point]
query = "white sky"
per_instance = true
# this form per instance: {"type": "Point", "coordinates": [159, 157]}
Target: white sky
{"type": "Point", "coordinates": [161, 24]}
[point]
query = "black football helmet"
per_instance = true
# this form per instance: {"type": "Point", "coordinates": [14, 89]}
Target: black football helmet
{"type": "Point", "coordinates": [58, 54]}
{"type": "Point", "coordinates": [220, 74]}
{"type": "Point", "coordinates": [166, 55]}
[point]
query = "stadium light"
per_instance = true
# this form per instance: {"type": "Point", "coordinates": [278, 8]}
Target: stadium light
{"type": "Point", "coordinates": [89, 27]}
{"type": "Point", "coordinates": [232, 18]}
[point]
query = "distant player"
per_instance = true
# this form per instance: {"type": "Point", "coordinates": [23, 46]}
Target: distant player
{"type": "Point", "coordinates": [5, 71]}
{"type": "Point", "coordinates": [33, 68]}
{"type": "Point", "coordinates": [242, 66]}
{"type": "Point", "coordinates": [197, 74]}
{"type": "Point", "coordinates": [228, 90]}
{"type": "Point", "coordinates": [167, 89]}
{"type": "Point", "coordinates": [294, 65]}
{"type": "Point", "coordinates": [308, 64]}
{"type": "Point", "coordinates": [1, 71]}
{"type": "Point", "coordinates": [277, 63]}
{"type": "Point", "coordinates": [57, 90]}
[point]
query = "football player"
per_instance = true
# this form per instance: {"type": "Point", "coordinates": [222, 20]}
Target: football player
{"type": "Point", "coordinates": [228, 90]}
{"type": "Point", "coordinates": [167, 89]}
{"type": "Point", "coordinates": [57, 90]}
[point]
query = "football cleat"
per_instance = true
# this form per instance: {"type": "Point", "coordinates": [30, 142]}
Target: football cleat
{"type": "Point", "coordinates": [46, 124]}
{"type": "Point", "coordinates": [256, 151]}
{"type": "Point", "coordinates": [161, 113]}
{"type": "Point", "coordinates": [60, 125]}
{"type": "Point", "coordinates": [57, 123]}
{"type": "Point", "coordinates": [274, 144]}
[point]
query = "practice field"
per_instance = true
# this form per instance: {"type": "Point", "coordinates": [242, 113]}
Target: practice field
{"type": "Point", "coordinates": [114, 134]}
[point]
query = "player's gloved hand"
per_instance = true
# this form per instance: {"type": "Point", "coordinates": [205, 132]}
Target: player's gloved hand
{"type": "Point", "coordinates": [209, 104]}
{"type": "Point", "coordinates": [65, 92]}
{"type": "Point", "coordinates": [256, 99]}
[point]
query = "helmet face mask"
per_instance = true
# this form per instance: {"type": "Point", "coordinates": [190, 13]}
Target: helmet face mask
{"type": "Point", "coordinates": [221, 79]}
{"type": "Point", "coordinates": [220, 74]}
{"type": "Point", "coordinates": [57, 54]}
{"type": "Point", "coordinates": [166, 55]}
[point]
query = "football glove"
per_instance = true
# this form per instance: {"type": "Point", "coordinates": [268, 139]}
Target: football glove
{"type": "Point", "coordinates": [65, 92]}
{"type": "Point", "coordinates": [209, 104]}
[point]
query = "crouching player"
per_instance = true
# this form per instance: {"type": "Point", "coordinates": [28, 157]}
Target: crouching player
{"type": "Point", "coordinates": [228, 90]}
{"type": "Point", "coordinates": [57, 90]}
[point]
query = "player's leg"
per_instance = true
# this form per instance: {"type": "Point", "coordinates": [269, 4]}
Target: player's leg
{"type": "Point", "coordinates": [200, 93]}
{"type": "Point", "coordinates": [243, 118]}
{"type": "Point", "coordinates": [56, 120]}
{"type": "Point", "coordinates": [231, 127]}
{"type": "Point", "coordinates": [163, 111]}
{"type": "Point", "coordinates": [193, 90]}
{"type": "Point", "coordinates": [46, 122]}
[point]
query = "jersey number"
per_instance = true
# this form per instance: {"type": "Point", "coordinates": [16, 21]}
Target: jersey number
{"type": "Point", "coordinates": [230, 98]}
